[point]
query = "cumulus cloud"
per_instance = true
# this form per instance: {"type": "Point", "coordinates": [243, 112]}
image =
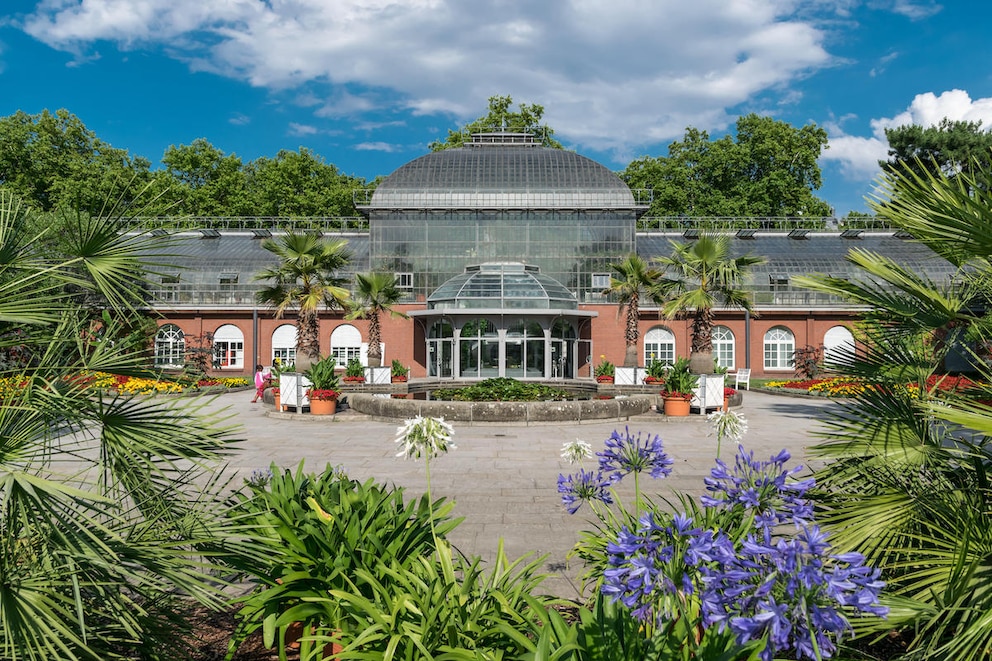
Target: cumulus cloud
{"type": "Point", "coordinates": [859, 156]}
{"type": "Point", "coordinates": [301, 129]}
{"type": "Point", "coordinates": [662, 65]}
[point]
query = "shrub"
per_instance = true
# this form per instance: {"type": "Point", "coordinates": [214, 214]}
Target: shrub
{"type": "Point", "coordinates": [503, 389]}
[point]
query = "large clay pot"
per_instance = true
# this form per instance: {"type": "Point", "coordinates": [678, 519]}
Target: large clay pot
{"type": "Point", "coordinates": [278, 403]}
{"type": "Point", "coordinates": [676, 406]}
{"type": "Point", "coordinates": [701, 362]}
{"type": "Point", "coordinates": [323, 406]}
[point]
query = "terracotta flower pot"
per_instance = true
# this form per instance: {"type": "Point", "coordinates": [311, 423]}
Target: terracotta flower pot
{"type": "Point", "coordinates": [323, 406]}
{"type": "Point", "coordinates": [676, 406]}
{"type": "Point", "coordinates": [276, 399]}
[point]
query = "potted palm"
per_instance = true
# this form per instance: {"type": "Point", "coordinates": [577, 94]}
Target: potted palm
{"type": "Point", "coordinates": [680, 383]}
{"type": "Point", "coordinates": [325, 387]}
{"type": "Point", "coordinates": [354, 372]}
{"type": "Point", "coordinates": [398, 372]}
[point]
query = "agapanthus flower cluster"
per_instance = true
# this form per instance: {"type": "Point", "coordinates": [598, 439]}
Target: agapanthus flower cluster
{"type": "Point", "coordinates": [584, 486]}
{"type": "Point", "coordinates": [626, 454]}
{"type": "Point", "coordinates": [424, 436]}
{"type": "Point", "coordinates": [575, 451]}
{"type": "Point", "coordinates": [729, 425]}
{"type": "Point", "coordinates": [748, 576]}
{"type": "Point", "coordinates": [764, 489]}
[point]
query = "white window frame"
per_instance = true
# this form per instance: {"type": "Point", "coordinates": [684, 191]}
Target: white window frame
{"type": "Point", "coordinates": [724, 347]}
{"type": "Point", "coordinates": [599, 281]}
{"type": "Point", "coordinates": [284, 340]}
{"type": "Point", "coordinates": [659, 344]}
{"type": "Point", "coordinates": [779, 349]}
{"type": "Point", "coordinates": [170, 346]}
{"type": "Point", "coordinates": [229, 348]}
{"type": "Point", "coordinates": [404, 281]}
{"type": "Point", "coordinates": [346, 343]}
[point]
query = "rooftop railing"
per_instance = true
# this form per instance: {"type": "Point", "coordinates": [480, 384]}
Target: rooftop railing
{"type": "Point", "coordinates": [743, 226]}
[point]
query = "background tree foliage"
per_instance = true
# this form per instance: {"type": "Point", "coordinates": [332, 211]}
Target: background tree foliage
{"type": "Point", "coordinates": [527, 119]}
{"type": "Point", "coordinates": [769, 169]}
{"type": "Point", "coordinates": [950, 148]}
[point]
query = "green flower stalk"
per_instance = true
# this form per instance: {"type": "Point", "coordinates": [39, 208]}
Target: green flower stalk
{"type": "Point", "coordinates": [427, 438]}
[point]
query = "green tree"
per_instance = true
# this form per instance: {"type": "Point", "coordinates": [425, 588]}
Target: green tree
{"type": "Point", "coordinates": [375, 294]}
{"type": "Point", "coordinates": [948, 148]}
{"type": "Point", "coordinates": [527, 119]}
{"type": "Point", "coordinates": [300, 183]}
{"type": "Point", "coordinates": [769, 169]}
{"type": "Point", "coordinates": [51, 160]}
{"type": "Point", "coordinates": [205, 181]}
{"type": "Point", "coordinates": [631, 278]}
{"type": "Point", "coordinates": [110, 506]}
{"type": "Point", "coordinates": [305, 279]}
{"type": "Point", "coordinates": [697, 277]}
{"type": "Point", "coordinates": [906, 480]}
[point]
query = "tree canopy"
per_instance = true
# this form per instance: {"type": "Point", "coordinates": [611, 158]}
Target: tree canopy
{"type": "Point", "coordinates": [527, 119]}
{"type": "Point", "coordinates": [769, 169]}
{"type": "Point", "coordinates": [950, 148]}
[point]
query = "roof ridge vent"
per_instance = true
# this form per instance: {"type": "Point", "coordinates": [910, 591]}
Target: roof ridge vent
{"type": "Point", "coordinates": [503, 138]}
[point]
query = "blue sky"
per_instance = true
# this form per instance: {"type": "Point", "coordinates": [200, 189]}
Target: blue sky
{"type": "Point", "coordinates": [367, 84]}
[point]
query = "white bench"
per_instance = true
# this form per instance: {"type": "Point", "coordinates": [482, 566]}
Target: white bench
{"type": "Point", "coordinates": [743, 377]}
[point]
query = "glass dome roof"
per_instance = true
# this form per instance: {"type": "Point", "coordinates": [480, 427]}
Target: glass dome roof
{"type": "Point", "coordinates": [502, 286]}
{"type": "Point", "coordinates": [496, 170]}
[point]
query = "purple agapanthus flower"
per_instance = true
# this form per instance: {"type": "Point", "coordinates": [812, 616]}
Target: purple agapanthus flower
{"type": "Point", "coordinates": [766, 488]}
{"type": "Point", "coordinates": [582, 487]}
{"type": "Point", "coordinates": [625, 454]}
{"type": "Point", "coordinates": [753, 579]}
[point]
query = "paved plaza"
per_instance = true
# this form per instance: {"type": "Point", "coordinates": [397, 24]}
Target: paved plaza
{"type": "Point", "coordinates": [503, 478]}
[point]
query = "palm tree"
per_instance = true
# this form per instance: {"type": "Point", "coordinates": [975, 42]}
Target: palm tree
{"type": "Point", "coordinates": [375, 294]}
{"type": "Point", "coordinates": [631, 278]}
{"type": "Point", "coordinates": [305, 279]}
{"type": "Point", "coordinates": [698, 276]}
{"type": "Point", "coordinates": [105, 500]}
{"type": "Point", "coordinates": [907, 481]}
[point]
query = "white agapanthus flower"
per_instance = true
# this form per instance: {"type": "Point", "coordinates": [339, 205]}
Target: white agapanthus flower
{"type": "Point", "coordinates": [422, 436]}
{"type": "Point", "coordinates": [575, 451]}
{"type": "Point", "coordinates": [729, 425]}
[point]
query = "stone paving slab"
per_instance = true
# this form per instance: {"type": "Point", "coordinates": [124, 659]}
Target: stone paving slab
{"type": "Point", "coordinates": [503, 478]}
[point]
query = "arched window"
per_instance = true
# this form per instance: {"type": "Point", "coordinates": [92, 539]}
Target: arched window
{"type": "Point", "coordinates": [659, 344]}
{"type": "Point", "coordinates": [780, 349]}
{"type": "Point", "coordinates": [229, 347]}
{"type": "Point", "coordinates": [838, 344]}
{"type": "Point", "coordinates": [478, 349]}
{"type": "Point", "coordinates": [284, 344]}
{"type": "Point", "coordinates": [723, 347]}
{"type": "Point", "coordinates": [170, 346]}
{"type": "Point", "coordinates": [346, 343]}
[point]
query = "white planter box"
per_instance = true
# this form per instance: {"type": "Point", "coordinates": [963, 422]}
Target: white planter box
{"type": "Point", "coordinates": [624, 376]}
{"type": "Point", "coordinates": [293, 390]}
{"type": "Point", "coordinates": [708, 393]}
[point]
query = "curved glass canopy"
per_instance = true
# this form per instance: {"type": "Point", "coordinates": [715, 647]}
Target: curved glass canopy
{"type": "Point", "coordinates": [502, 286]}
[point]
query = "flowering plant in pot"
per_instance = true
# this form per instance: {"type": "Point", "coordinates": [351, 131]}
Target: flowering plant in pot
{"type": "Point", "coordinates": [325, 386]}
{"type": "Point", "coordinates": [604, 371]}
{"type": "Point", "coordinates": [398, 371]}
{"type": "Point", "coordinates": [679, 386]}
{"type": "Point", "coordinates": [655, 372]}
{"type": "Point", "coordinates": [354, 372]}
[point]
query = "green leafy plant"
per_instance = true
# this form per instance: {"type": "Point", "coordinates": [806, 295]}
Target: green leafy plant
{"type": "Point", "coordinates": [656, 370]}
{"type": "Point", "coordinates": [398, 370]}
{"type": "Point", "coordinates": [679, 380]}
{"type": "Point", "coordinates": [318, 533]}
{"type": "Point", "coordinates": [323, 375]}
{"type": "Point", "coordinates": [354, 370]}
{"type": "Point", "coordinates": [503, 389]}
{"type": "Point", "coordinates": [604, 369]}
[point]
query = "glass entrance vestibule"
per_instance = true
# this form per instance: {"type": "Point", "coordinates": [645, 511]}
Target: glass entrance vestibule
{"type": "Point", "coordinates": [514, 344]}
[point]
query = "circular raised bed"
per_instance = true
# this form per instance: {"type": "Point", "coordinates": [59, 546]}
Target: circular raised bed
{"type": "Point", "coordinates": [502, 412]}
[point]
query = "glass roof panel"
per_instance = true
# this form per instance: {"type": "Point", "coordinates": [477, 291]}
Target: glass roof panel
{"type": "Point", "coordinates": [502, 285]}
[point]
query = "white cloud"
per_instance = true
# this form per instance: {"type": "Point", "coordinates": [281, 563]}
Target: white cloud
{"type": "Point", "coordinates": [301, 129]}
{"type": "Point", "coordinates": [661, 65]}
{"type": "Point", "coordinates": [378, 146]}
{"type": "Point", "coordinates": [859, 156]}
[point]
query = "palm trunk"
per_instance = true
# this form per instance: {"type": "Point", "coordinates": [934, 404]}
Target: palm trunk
{"type": "Point", "coordinates": [631, 333]}
{"type": "Point", "coordinates": [375, 341]}
{"type": "Point", "coordinates": [308, 342]}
